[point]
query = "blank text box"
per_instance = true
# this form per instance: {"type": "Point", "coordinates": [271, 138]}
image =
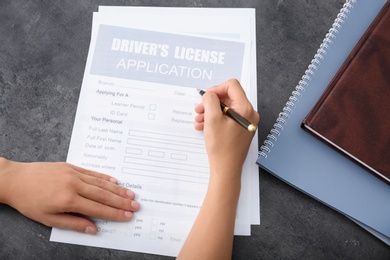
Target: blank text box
{"type": "Point", "coordinates": [158, 154]}
{"type": "Point", "coordinates": [136, 151]}
{"type": "Point", "coordinates": [180, 157]}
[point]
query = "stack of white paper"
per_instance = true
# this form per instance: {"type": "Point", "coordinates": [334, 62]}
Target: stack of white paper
{"type": "Point", "coordinates": [135, 117]}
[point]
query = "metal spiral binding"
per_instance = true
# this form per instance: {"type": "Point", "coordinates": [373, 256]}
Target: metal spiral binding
{"type": "Point", "coordinates": [283, 116]}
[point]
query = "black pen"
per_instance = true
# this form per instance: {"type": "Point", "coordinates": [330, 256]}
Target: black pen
{"type": "Point", "coordinates": [232, 114]}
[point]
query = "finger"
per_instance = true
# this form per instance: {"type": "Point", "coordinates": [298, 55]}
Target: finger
{"type": "Point", "coordinates": [199, 118]}
{"type": "Point", "coordinates": [94, 174]}
{"type": "Point", "coordinates": [107, 193]}
{"type": "Point", "coordinates": [199, 126]}
{"type": "Point", "coordinates": [71, 222]}
{"type": "Point", "coordinates": [98, 210]}
{"type": "Point", "coordinates": [108, 186]}
{"type": "Point", "coordinates": [199, 109]}
{"type": "Point", "coordinates": [108, 198]}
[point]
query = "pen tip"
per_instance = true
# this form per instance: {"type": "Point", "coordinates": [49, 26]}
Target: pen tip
{"type": "Point", "coordinates": [198, 89]}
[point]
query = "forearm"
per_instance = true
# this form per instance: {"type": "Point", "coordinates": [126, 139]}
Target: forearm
{"type": "Point", "coordinates": [211, 236]}
{"type": "Point", "coordinates": [227, 144]}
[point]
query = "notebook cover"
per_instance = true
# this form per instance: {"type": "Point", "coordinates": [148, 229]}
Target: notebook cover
{"type": "Point", "coordinates": [296, 157]}
{"type": "Point", "coordinates": [352, 114]}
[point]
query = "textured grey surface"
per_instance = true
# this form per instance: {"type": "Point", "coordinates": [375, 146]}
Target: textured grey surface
{"type": "Point", "coordinates": [43, 50]}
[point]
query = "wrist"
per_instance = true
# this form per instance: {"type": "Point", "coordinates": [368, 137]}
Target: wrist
{"type": "Point", "coordinates": [226, 176]}
{"type": "Point", "coordinates": [226, 165]}
{"type": "Point", "coordinates": [4, 173]}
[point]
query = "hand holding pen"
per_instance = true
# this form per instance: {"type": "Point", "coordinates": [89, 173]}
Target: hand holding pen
{"type": "Point", "coordinates": [234, 115]}
{"type": "Point", "coordinates": [224, 137]}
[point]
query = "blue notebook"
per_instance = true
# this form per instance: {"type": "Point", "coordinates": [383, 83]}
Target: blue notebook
{"type": "Point", "coordinates": [309, 165]}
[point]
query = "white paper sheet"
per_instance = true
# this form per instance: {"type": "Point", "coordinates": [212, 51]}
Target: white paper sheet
{"type": "Point", "coordinates": [229, 23]}
{"type": "Point", "coordinates": [135, 122]}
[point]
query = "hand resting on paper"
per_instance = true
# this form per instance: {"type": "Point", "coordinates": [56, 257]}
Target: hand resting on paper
{"type": "Point", "coordinates": [61, 195]}
{"type": "Point", "coordinates": [227, 145]}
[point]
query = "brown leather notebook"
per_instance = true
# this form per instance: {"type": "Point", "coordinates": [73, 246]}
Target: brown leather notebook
{"type": "Point", "coordinates": [353, 114]}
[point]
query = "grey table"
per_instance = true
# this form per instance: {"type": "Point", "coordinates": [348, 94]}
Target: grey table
{"type": "Point", "coordinates": [43, 50]}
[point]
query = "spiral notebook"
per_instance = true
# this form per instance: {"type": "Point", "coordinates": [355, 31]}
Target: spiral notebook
{"type": "Point", "coordinates": [353, 110]}
{"type": "Point", "coordinates": [301, 160]}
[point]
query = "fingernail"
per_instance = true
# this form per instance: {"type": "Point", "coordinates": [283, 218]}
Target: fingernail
{"type": "Point", "coordinates": [113, 180]}
{"type": "Point", "coordinates": [130, 193]}
{"type": "Point", "coordinates": [90, 230]}
{"type": "Point", "coordinates": [135, 204]}
{"type": "Point", "coordinates": [128, 214]}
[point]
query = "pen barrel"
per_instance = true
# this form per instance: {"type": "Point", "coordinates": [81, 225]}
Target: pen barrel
{"type": "Point", "coordinates": [236, 117]}
{"type": "Point", "coordinates": [239, 119]}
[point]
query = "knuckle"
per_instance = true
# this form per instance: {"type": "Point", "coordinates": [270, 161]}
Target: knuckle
{"type": "Point", "coordinates": [88, 172]}
{"type": "Point", "coordinates": [120, 191]}
{"type": "Point", "coordinates": [99, 182]}
{"type": "Point", "coordinates": [67, 202]}
{"type": "Point", "coordinates": [68, 181]}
